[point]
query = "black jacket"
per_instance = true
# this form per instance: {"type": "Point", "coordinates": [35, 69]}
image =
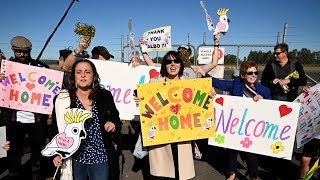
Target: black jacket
{"type": "Point", "coordinates": [268, 76]}
{"type": "Point", "coordinates": [107, 111]}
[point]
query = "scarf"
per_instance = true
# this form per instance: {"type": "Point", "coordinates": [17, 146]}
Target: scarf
{"type": "Point", "coordinates": [249, 91]}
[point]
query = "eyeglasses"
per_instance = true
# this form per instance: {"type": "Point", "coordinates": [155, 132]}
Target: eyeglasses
{"type": "Point", "coordinates": [251, 73]}
{"type": "Point", "coordinates": [176, 61]}
{"type": "Point", "coordinates": [277, 53]}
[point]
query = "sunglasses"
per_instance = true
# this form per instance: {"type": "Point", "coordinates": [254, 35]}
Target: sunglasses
{"type": "Point", "coordinates": [277, 53]}
{"type": "Point", "coordinates": [251, 73]}
{"type": "Point", "coordinates": [22, 51]}
{"type": "Point", "coordinates": [176, 61]}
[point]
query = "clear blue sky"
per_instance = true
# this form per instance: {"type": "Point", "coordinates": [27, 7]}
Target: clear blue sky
{"type": "Point", "coordinates": [252, 22]}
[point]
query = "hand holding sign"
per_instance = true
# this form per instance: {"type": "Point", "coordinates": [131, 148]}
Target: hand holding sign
{"type": "Point", "coordinates": [223, 24]}
{"type": "Point", "coordinates": [158, 39]}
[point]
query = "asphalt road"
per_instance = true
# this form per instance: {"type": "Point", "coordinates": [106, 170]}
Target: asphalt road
{"type": "Point", "coordinates": [210, 167]}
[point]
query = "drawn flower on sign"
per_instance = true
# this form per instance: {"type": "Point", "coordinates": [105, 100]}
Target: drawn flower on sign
{"type": "Point", "coordinates": [277, 147]}
{"type": "Point", "coordinates": [246, 142]}
{"type": "Point", "coordinates": [219, 139]}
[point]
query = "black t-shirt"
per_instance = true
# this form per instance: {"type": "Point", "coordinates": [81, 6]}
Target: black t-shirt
{"type": "Point", "coordinates": [281, 73]}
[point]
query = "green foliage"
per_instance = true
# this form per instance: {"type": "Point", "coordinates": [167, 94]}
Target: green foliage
{"type": "Point", "coordinates": [230, 59]}
{"type": "Point", "coordinates": [305, 56]}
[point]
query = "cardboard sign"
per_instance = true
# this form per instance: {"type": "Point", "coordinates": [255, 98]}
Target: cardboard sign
{"type": "Point", "coordinates": [309, 116]}
{"type": "Point", "coordinates": [29, 88]}
{"type": "Point", "coordinates": [158, 39]}
{"type": "Point", "coordinates": [121, 80]}
{"type": "Point", "coordinates": [176, 111]}
{"type": "Point", "coordinates": [68, 142]}
{"type": "Point", "coordinates": [265, 127]}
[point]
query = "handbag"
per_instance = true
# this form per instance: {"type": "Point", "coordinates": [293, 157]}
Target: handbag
{"type": "Point", "coordinates": [140, 151]}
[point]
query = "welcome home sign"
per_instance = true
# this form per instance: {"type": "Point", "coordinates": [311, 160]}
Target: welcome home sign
{"type": "Point", "coordinates": [29, 88]}
{"type": "Point", "coordinates": [176, 111]}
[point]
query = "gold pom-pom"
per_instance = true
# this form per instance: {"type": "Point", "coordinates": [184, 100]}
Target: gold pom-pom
{"type": "Point", "coordinates": [83, 29]}
{"type": "Point", "coordinates": [184, 54]}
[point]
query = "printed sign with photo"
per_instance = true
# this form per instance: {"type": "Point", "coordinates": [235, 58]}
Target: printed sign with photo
{"type": "Point", "coordinates": [309, 116]}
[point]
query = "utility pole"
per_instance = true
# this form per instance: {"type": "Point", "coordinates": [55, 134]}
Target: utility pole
{"type": "Point", "coordinates": [55, 29]}
{"type": "Point", "coordinates": [122, 46]}
{"type": "Point", "coordinates": [278, 38]}
{"type": "Point", "coordinates": [285, 33]}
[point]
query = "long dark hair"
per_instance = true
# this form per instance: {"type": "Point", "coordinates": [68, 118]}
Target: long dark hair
{"type": "Point", "coordinates": [163, 70]}
{"type": "Point", "coordinates": [72, 83]}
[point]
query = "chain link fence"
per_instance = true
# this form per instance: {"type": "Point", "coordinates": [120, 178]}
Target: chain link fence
{"type": "Point", "coordinates": [262, 54]}
{"type": "Point", "coordinates": [259, 53]}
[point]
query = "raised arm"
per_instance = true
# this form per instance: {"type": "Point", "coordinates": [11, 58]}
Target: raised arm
{"type": "Point", "coordinates": [214, 62]}
{"type": "Point", "coordinates": [71, 59]}
{"type": "Point", "coordinates": [145, 55]}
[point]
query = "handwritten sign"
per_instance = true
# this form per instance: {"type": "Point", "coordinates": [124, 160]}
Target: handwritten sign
{"type": "Point", "coordinates": [29, 88]}
{"type": "Point", "coordinates": [265, 127]}
{"type": "Point", "coordinates": [67, 142]}
{"type": "Point", "coordinates": [158, 39]}
{"type": "Point", "coordinates": [309, 115]}
{"type": "Point", "coordinates": [3, 139]}
{"type": "Point", "coordinates": [176, 111]}
{"type": "Point", "coordinates": [121, 80]}
{"type": "Point", "coordinates": [205, 55]}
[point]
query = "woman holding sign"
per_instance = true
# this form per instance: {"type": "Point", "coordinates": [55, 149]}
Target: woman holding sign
{"type": "Point", "coordinates": [173, 160]}
{"type": "Point", "coordinates": [96, 156]}
{"type": "Point", "coordinates": [245, 86]}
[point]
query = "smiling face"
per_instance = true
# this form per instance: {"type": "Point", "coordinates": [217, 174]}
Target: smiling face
{"type": "Point", "coordinates": [249, 72]}
{"type": "Point", "coordinates": [279, 55]}
{"type": "Point", "coordinates": [173, 66]}
{"type": "Point", "coordinates": [84, 75]}
{"type": "Point", "coordinates": [250, 75]}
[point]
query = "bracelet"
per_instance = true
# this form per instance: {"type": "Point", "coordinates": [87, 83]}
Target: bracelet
{"type": "Point", "coordinates": [74, 53]}
{"type": "Point", "coordinates": [216, 45]}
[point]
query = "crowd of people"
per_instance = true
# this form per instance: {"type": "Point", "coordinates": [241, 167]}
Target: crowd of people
{"type": "Point", "coordinates": [100, 154]}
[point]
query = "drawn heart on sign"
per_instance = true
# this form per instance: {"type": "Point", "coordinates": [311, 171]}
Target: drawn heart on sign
{"type": "Point", "coordinates": [175, 108]}
{"type": "Point", "coordinates": [284, 110]}
{"type": "Point", "coordinates": [64, 142]}
{"type": "Point", "coordinates": [30, 86]}
{"type": "Point", "coordinates": [306, 95]}
{"type": "Point", "coordinates": [220, 101]}
{"type": "Point", "coordinates": [153, 73]}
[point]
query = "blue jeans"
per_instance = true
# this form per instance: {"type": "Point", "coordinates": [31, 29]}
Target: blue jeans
{"type": "Point", "coordinates": [93, 171]}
